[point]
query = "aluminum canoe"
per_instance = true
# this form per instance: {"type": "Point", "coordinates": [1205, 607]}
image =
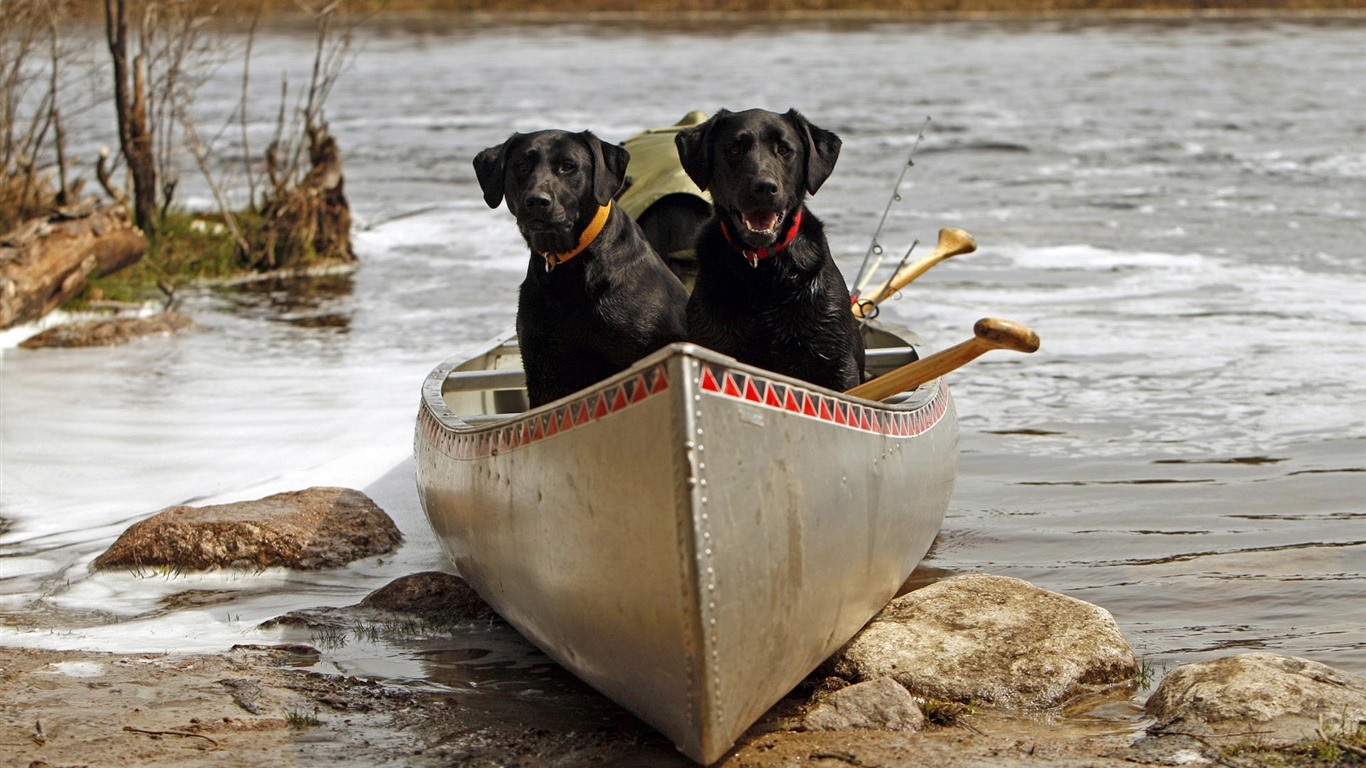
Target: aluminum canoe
{"type": "Point", "coordinates": [693, 536]}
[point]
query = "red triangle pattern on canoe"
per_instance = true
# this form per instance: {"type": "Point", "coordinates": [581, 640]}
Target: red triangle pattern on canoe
{"type": "Point", "coordinates": [717, 380]}
{"type": "Point", "coordinates": [708, 381]}
{"type": "Point", "coordinates": [731, 389]}
{"type": "Point", "coordinates": [467, 445]}
{"type": "Point", "coordinates": [751, 394]}
{"type": "Point", "coordinates": [891, 422]}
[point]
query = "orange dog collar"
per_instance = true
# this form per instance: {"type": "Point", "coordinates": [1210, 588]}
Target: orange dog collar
{"type": "Point", "coordinates": [590, 233]}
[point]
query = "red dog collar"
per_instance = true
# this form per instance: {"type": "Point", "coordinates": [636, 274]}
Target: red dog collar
{"type": "Point", "coordinates": [754, 257]}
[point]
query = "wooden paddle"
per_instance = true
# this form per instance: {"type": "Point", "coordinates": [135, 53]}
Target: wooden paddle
{"type": "Point", "coordinates": [952, 242]}
{"type": "Point", "coordinates": [988, 333]}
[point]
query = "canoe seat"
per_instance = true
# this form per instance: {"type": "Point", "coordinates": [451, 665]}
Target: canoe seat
{"type": "Point", "coordinates": [882, 359]}
{"type": "Point", "coordinates": [473, 381]}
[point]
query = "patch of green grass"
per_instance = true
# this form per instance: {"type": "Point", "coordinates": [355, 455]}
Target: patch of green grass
{"type": "Point", "coordinates": [1335, 748]}
{"type": "Point", "coordinates": [328, 638]}
{"type": "Point", "coordinates": [1147, 673]}
{"type": "Point", "coordinates": [164, 571]}
{"type": "Point", "coordinates": [297, 718]}
{"type": "Point", "coordinates": [184, 249]}
{"type": "Point", "coordinates": [945, 713]}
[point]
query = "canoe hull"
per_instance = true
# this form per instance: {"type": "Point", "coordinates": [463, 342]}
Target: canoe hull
{"type": "Point", "coordinates": [693, 536]}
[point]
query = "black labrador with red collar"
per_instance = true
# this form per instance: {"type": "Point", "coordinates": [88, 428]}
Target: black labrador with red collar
{"type": "Point", "coordinates": [596, 297]}
{"type": "Point", "coordinates": [768, 292]}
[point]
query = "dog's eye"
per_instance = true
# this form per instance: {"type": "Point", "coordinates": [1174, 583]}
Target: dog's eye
{"type": "Point", "coordinates": [522, 167]}
{"type": "Point", "coordinates": [783, 150]}
{"type": "Point", "coordinates": [568, 167]}
{"type": "Point", "coordinates": [735, 150]}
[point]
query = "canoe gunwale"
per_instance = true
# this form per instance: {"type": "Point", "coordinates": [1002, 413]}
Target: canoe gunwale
{"type": "Point", "coordinates": [433, 387]}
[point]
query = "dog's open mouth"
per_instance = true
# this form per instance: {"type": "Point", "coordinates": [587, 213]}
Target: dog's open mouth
{"type": "Point", "coordinates": [762, 222]}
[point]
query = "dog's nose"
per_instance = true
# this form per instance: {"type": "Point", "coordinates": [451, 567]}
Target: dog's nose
{"type": "Point", "coordinates": [535, 200]}
{"type": "Point", "coordinates": [765, 186]}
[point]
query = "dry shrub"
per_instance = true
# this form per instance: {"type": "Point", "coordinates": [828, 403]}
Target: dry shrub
{"type": "Point", "coordinates": [308, 223]}
{"type": "Point", "coordinates": [24, 196]}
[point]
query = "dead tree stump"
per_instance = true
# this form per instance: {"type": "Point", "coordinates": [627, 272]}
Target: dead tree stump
{"type": "Point", "coordinates": [309, 223]}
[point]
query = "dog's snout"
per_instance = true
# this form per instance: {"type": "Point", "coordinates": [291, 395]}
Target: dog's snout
{"type": "Point", "coordinates": [536, 200]}
{"type": "Point", "coordinates": [765, 186]}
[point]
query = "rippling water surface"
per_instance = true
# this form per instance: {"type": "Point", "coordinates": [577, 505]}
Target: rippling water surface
{"type": "Point", "coordinates": [1176, 208]}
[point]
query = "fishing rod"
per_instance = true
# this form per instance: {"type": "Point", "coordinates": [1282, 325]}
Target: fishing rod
{"type": "Point", "coordinates": [873, 258]}
{"type": "Point", "coordinates": [886, 288]}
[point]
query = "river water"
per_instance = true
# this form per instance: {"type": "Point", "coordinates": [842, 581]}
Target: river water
{"type": "Point", "coordinates": [1176, 208]}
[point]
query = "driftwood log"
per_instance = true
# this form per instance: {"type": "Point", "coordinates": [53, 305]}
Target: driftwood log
{"type": "Point", "coordinates": [109, 332]}
{"type": "Point", "coordinates": [47, 261]}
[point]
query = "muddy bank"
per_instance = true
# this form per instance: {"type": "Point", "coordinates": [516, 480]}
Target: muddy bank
{"type": "Point", "coordinates": [261, 706]}
{"type": "Point", "coordinates": [247, 707]}
{"type": "Point", "coordinates": [489, 698]}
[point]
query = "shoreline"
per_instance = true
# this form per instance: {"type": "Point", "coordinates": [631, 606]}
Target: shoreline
{"type": "Point", "coordinates": [253, 706]}
{"type": "Point", "coordinates": [426, 18]}
{"type": "Point", "coordinates": [705, 22]}
{"type": "Point", "coordinates": [261, 706]}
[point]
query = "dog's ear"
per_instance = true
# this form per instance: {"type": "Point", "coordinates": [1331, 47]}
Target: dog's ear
{"type": "Point", "coordinates": [489, 167]}
{"type": "Point", "coordinates": [609, 167]}
{"type": "Point", "coordinates": [822, 150]}
{"type": "Point", "coordinates": [695, 151]}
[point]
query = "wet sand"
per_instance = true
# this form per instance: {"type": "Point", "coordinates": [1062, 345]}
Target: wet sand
{"type": "Point", "coordinates": [256, 706]}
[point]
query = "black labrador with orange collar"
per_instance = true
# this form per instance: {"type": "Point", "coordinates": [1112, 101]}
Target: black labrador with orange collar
{"type": "Point", "coordinates": [768, 292]}
{"type": "Point", "coordinates": [596, 297]}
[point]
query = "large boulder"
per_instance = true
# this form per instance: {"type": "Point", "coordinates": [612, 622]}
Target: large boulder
{"type": "Point", "coordinates": [990, 640]}
{"type": "Point", "coordinates": [1276, 697]}
{"type": "Point", "coordinates": [304, 530]}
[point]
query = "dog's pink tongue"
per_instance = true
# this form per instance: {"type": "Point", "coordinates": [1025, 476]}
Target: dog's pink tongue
{"type": "Point", "coordinates": [761, 221]}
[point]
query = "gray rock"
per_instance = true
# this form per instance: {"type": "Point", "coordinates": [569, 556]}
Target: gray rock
{"type": "Point", "coordinates": [432, 598]}
{"type": "Point", "coordinates": [303, 530]}
{"type": "Point", "coordinates": [111, 332]}
{"type": "Point", "coordinates": [1275, 697]}
{"type": "Point", "coordinates": [245, 692]}
{"type": "Point", "coordinates": [882, 704]}
{"type": "Point", "coordinates": [432, 595]}
{"type": "Point", "coordinates": [990, 640]}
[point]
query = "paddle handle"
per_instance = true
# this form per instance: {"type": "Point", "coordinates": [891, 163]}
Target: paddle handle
{"type": "Point", "coordinates": [952, 242]}
{"type": "Point", "coordinates": [988, 333]}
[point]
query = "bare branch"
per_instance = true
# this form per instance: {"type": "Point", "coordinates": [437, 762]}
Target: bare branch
{"type": "Point", "coordinates": [242, 105]}
{"type": "Point", "coordinates": [105, 175]}
{"type": "Point", "coordinates": [201, 156]}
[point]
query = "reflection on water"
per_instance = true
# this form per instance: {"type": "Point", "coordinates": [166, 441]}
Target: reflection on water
{"type": "Point", "coordinates": [304, 302]}
{"type": "Point", "coordinates": [1169, 205]}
